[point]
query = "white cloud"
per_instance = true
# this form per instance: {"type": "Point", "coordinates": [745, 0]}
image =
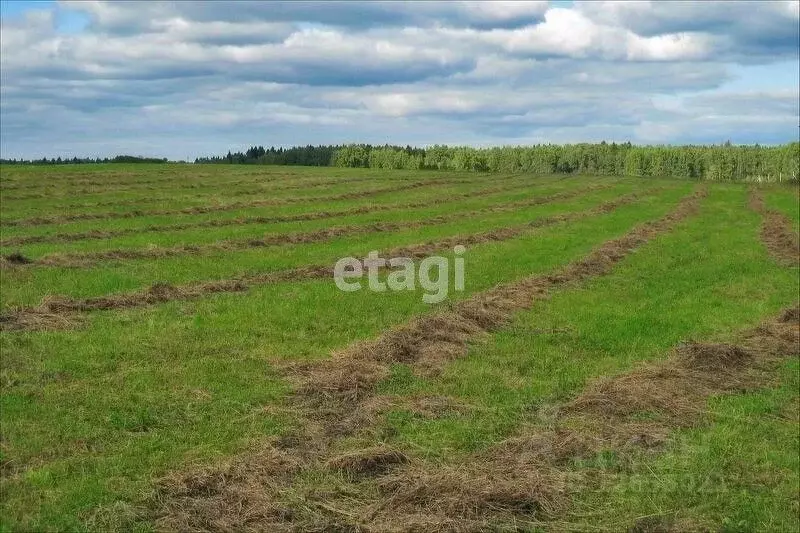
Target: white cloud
{"type": "Point", "coordinates": [284, 72]}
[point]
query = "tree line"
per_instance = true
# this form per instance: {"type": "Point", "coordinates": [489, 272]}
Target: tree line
{"type": "Point", "coordinates": [725, 162]}
{"type": "Point", "coordinates": [311, 156]}
{"type": "Point", "coordinates": [83, 160]}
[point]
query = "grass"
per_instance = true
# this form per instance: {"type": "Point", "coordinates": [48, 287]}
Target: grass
{"type": "Point", "coordinates": [736, 473]}
{"type": "Point", "coordinates": [211, 234]}
{"type": "Point", "coordinates": [636, 313]}
{"type": "Point", "coordinates": [92, 416]}
{"type": "Point", "coordinates": [788, 204]}
{"type": "Point", "coordinates": [31, 285]}
{"type": "Point", "coordinates": [142, 222]}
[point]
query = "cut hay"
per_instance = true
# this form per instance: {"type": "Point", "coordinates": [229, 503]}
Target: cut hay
{"type": "Point", "coordinates": [367, 462]}
{"type": "Point", "coordinates": [91, 259]}
{"type": "Point", "coordinates": [317, 215]}
{"type": "Point", "coordinates": [777, 234]}
{"type": "Point", "coordinates": [56, 304]}
{"type": "Point", "coordinates": [241, 495]}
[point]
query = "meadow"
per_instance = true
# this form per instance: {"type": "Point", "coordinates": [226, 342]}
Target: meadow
{"type": "Point", "coordinates": [177, 357]}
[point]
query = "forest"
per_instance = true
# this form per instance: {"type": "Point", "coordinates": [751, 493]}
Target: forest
{"type": "Point", "coordinates": [724, 162]}
{"type": "Point", "coordinates": [84, 160]}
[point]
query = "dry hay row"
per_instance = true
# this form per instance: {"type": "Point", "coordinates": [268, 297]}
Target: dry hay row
{"type": "Point", "coordinates": [255, 177]}
{"type": "Point", "coordinates": [527, 479]}
{"type": "Point", "coordinates": [78, 183]}
{"type": "Point", "coordinates": [521, 482]}
{"type": "Point", "coordinates": [86, 183]}
{"type": "Point", "coordinates": [56, 219]}
{"type": "Point", "coordinates": [56, 312]}
{"type": "Point", "coordinates": [776, 231]}
{"type": "Point", "coordinates": [90, 259]}
{"type": "Point", "coordinates": [132, 187]}
{"type": "Point", "coordinates": [431, 341]}
{"type": "Point", "coordinates": [262, 180]}
{"type": "Point", "coordinates": [249, 190]}
{"type": "Point", "coordinates": [317, 215]}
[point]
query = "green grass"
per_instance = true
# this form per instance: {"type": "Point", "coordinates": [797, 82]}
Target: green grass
{"type": "Point", "coordinates": [785, 200]}
{"type": "Point", "coordinates": [91, 416]}
{"type": "Point", "coordinates": [210, 234]}
{"type": "Point", "coordinates": [138, 352]}
{"type": "Point", "coordinates": [661, 295]}
{"type": "Point", "coordinates": [407, 196]}
{"type": "Point", "coordinates": [22, 209]}
{"type": "Point", "coordinates": [736, 473]}
{"type": "Point", "coordinates": [28, 286]}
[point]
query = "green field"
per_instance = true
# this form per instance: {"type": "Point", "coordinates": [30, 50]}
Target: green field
{"type": "Point", "coordinates": [177, 357]}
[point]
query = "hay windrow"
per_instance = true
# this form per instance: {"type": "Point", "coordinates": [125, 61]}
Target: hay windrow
{"type": "Point", "coordinates": [777, 234]}
{"type": "Point", "coordinates": [678, 388]}
{"type": "Point", "coordinates": [791, 316]}
{"type": "Point", "coordinates": [90, 259]}
{"type": "Point", "coordinates": [528, 478]}
{"type": "Point", "coordinates": [317, 215]}
{"type": "Point", "coordinates": [367, 462]}
{"type": "Point", "coordinates": [81, 182]}
{"type": "Point", "coordinates": [57, 219]}
{"type": "Point", "coordinates": [472, 491]}
{"type": "Point", "coordinates": [255, 179]}
{"type": "Point", "coordinates": [524, 481]}
{"type": "Point", "coordinates": [720, 357]}
{"type": "Point", "coordinates": [253, 186]}
{"type": "Point", "coordinates": [55, 304]}
{"type": "Point", "coordinates": [241, 495]}
{"type": "Point", "coordinates": [429, 342]}
{"type": "Point", "coordinates": [339, 467]}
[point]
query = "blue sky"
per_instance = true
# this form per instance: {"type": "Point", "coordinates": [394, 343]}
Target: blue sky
{"type": "Point", "coordinates": [182, 79]}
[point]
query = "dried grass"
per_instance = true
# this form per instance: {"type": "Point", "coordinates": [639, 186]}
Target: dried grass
{"type": "Point", "coordinates": [57, 304]}
{"type": "Point", "coordinates": [518, 483]}
{"type": "Point", "coordinates": [777, 234]}
{"type": "Point", "coordinates": [317, 215]}
{"type": "Point", "coordinates": [367, 462]}
{"type": "Point", "coordinates": [90, 259]}
{"type": "Point", "coordinates": [242, 495]}
{"type": "Point", "coordinates": [56, 219]}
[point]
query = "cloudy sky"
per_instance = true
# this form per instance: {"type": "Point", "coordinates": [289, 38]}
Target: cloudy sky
{"type": "Point", "coordinates": [182, 79]}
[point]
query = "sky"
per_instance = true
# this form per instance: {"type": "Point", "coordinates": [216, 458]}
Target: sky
{"type": "Point", "coordinates": [187, 79]}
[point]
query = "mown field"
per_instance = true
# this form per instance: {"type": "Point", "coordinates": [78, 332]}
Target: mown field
{"type": "Point", "coordinates": [177, 357]}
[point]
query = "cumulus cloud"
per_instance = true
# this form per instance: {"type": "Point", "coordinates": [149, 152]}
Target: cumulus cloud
{"type": "Point", "coordinates": [745, 29]}
{"type": "Point", "coordinates": [410, 73]}
{"type": "Point", "coordinates": [127, 16]}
